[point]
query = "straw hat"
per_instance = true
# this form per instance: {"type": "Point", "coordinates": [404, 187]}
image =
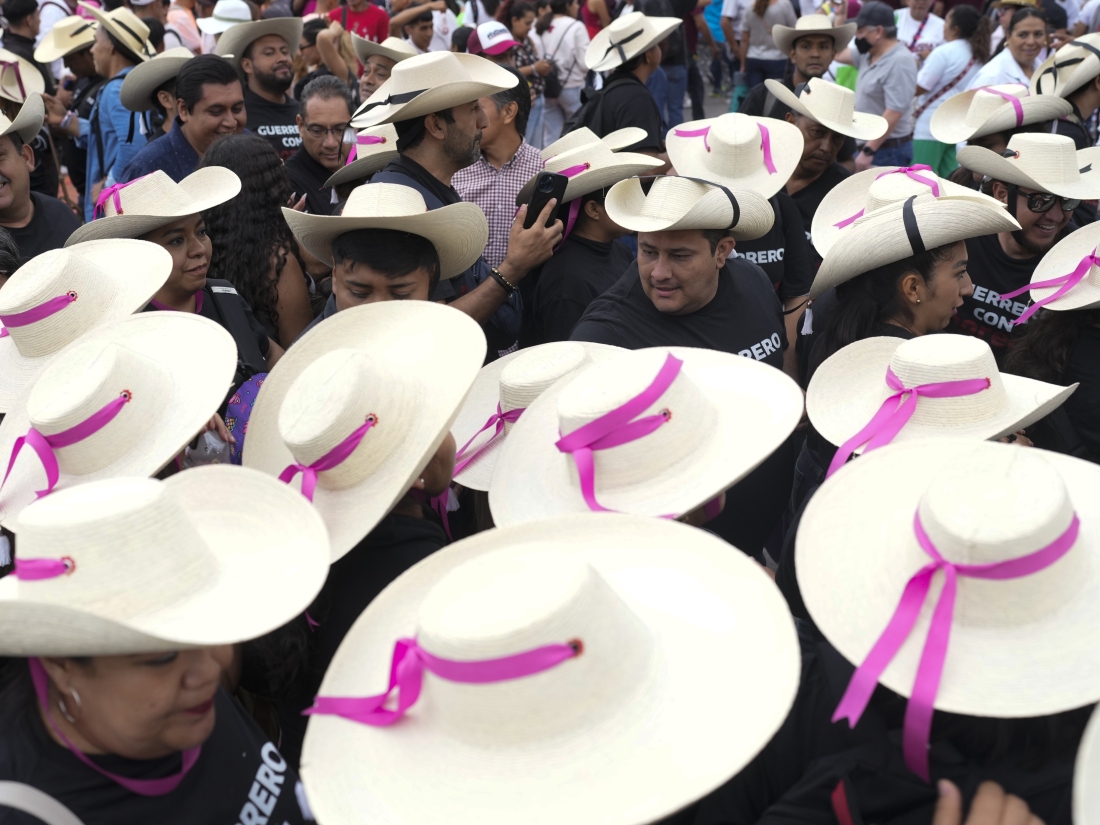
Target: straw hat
{"type": "Point", "coordinates": [407, 363]}
{"type": "Point", "coordinates": [985, 111]}
{"type": "Point", "coordinates": [142, 81]}
{"type": "Point", "coordinates": [647, 703]}
{"type": "Point", "coordinates": [28, 122]}
{"type": "Point", "coordinates": [1000, 4]}
{"type": "Point", "coordinates": [619, 139]}
{"type": "Point", "coordinates": [375, 147]}
{"type": "Point", "coordinates": [110, 279]}
{"type": "Point", "coordinates": [1062, 259]}
{"type": "Point", "coordinates": [701, 451]}
{"type": "Point", "coordinates": [394, 48]}
{"type": "Point", "coordinates": [431, 83]}
{"type": "Point", "coordinates": [1086, 798]}
{"type": "Point", "coordinates": [235, 41]}
{"type": "Point", "coordinates": [784, 36]}
{"type": "Point", "coordinates": [850, 386]}
{"type": "Point", "coordinates": [626, 38]}
{"type": "Point", "coordinates": [830, 105]}
{"type": "Point", "coordinates": [513, 383]}
{"type": "Point", "coordinates": [214, 555]}
{"type": "Point", "coordinates": [591, 167]}
{"type": "Point", "coordinates": [1069, 68]}
{"type": "Point", "coordinates": [226, 15]}
{"type": "Point", "coordinates": [19, 78]}
{"type": "Point", "coordinates": [151, 201]}
{"type": "Point", "coordinates": [683, 203]}
{"type": "Point", "coordinates": [124, 26]}
{"type": "Point", "coordinates": [175, 368]}
{"type": "Point", "coordinates": [1048, 163]}
{"type": "Point", "coordinates": [458, 231]}
{"type": "Point", "coordinates": [883, 236]}
{"type": "Point", "coordinates": [68, 35]}
{"type": "Point", "coordinates": [757, 153]}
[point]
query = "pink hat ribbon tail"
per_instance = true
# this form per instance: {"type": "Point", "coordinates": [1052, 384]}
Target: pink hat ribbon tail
{"type": "Point", "coordinates": [918, 712]}
{"type": "Point", "coordinates": [35, 314]}
{"type": "Point", "coordinates": [113, 193]}
{"type": "Point", "coordinates": [766, 148]}
{"type": "Point", "coordinates": [690, 133]}
{"type": "Point", "coordinates": [1064, 283]}
{"type": "Point", "coordinates": [333, 458]}
{"type": "Point", "coordinates": [1015, 101]}
{"type": "Point", "coordinates": [362, 140]}
{"type": "Point", "coordinates": [909, 171]}
{"type": "Point", "coordinates": [497, 419]}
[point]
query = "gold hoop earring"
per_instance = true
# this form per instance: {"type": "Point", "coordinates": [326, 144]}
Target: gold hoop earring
{"type": "Point", "coordinates": [64, 710]}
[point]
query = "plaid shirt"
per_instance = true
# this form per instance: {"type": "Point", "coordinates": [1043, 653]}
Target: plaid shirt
{"type": "Point", "coordinates": [495, 190]}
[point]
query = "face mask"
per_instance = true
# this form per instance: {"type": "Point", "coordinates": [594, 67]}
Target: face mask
{"type": "Point", "coordinates": [862, 45]}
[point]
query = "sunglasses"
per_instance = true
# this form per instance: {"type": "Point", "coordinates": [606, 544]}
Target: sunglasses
{"type": "Point", "coordinates": [1040, 202]}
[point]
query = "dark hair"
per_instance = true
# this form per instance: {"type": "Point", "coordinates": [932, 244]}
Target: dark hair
{"type": "Point", "coordinates": [312, 28]}
{"type": "Point", "coordinates": [18, 10]}
{"type": "Point", "coordinates": [326, 87]}
{"type": "Point", "coordinates": [410, 133]}
{"type": "Point", "coordinates": [1044, 350]}
{"type": "Point", "coordinates": [423, 17]}
{"type": "Point", "coordinates": [714, 237]}
{"type": "Point", "coordinates": [460, 37]}
{"type": "Point", "coordinates": [389, 251]}
{"type": "Point", "coordinates": [17, 695]}
{"type": "Point", "coordinates": [121, 47]}
{"type": "Point", "coordinates": [156, 31]}
{"type": "Point", "coordinates": [513, 10]}
{"type": "Point", "coordinates": [631, 64]}
{"type": "Point", "coordinates": [197, 72]}
{"type": "Point", "coordinates": [1020, 14]}
{"type": "Point", "coordinates": [975, 28]}
{"type": "Point", "coordinates": [9, 251]}
{"type": "Point", "coordinates": [520, 94]}
{"type": "Point", "coordinates": [169, 86]}
{"type": "Point", "coordinates": [248, 232]}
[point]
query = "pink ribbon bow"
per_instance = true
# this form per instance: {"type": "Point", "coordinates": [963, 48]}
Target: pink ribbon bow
{"type": "Point", "coordinates": [362, 140]}
{"type": "Point", "coordinates": [498, 420]}
{"type": "Point", "coordinates": [113, 193]}
{"type": "Point", "coordinates": [1015, 101]}
{"type": "Point", "coordinates": [1064, 283]}
{"type": "Point", "coordinates": [918, 712]}
{"type": "Point", "coordinates": [765, 142]}
{"type": "Point", "coordinates": [908, 171]}
{"type": "Point", "coordinates": [407, 675]}
{"type": "Point", "coordinates": [35, 314]}
{"type": "Point", "coordinates": [333, 458]}
{"type": "Point", "coordinates": [14, 66]}
{"type": "Point", "coordinates": [892, 416]}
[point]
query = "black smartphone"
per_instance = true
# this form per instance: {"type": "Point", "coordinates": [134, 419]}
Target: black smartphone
{"type": "Point", "coordinates": [547, 185]}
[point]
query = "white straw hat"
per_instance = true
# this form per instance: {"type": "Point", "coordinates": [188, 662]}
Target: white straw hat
{"type": "Point", "coordinates": [510, 385]}
{"type": "Point", "coordinates": [688, 665]}
{"type": "Point", "coordinates": [235, 41]}
{"type": "Point", "coordinates": [374, 148]}
{"type": "Point", "coordinates": [784, 36]}
{"type": "Point", "coordinates": [19, 78]}
{"type": "Point", "coordinates": [833, 106]}
{"type": "Point", "coordinates": [394, 48]}
{"type": "Point", "coordinates": [214, 555]}
{"type": "Point", "coordinates": [1064, 258]}
{"type": "Point", "coordinates": [109, 279]}
{"type": "Point", "coordinates": [124, 26]}
{"type": "Point", "coordinates": [142, 80]}
{"type": "Point", "coordinates": [627, 37]}
{"type": "Point", "coordinates": [226, 15]}
{"type": "Point", "coordinates": [591, 167]}
{"type": "Point", "coordinates": [700, 451]}
{"type": "Point", "coordinates": [1069, 68]}
{"type": "Point", "coordinates": [1049, 163]}
{"type": "Point", "coordinates": [28, 122]}
{"type": "Point", "coordinates": [684, 203]}
{"type": "Point", "coordinates": [405, 364]}
{"type": "Point", "coordinates": [902, 229]}
{"type": "Point", "coordinates": [431, 83]}
{"type": "Point", "coordinates": [1086, 775]}
{"type": "Point", "coordinates": [735, 150]}
{"type": "Point", "coordinates": [619, 139]}
{"type": "Point", "coordinates": [458, 231]}
{"type": "Point", "coordinates": [149, 202]}
{"type": "Point", "coordinates": [68, 35]}
{"type": "Point", "coordinates": [991, 109]}
{"type": "Point", "coordinates": [171, 370]}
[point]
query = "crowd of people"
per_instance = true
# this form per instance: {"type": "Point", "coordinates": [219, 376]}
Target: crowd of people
{"type": "Point", "coordinates": [407, 415]}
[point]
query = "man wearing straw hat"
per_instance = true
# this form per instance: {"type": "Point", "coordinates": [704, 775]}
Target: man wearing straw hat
{"type": "Point", "coordinates": [1073, 73]}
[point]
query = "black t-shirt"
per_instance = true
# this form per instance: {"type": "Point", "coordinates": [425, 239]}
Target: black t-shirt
{"type": "Point", "coordinates": [1083, 407]}
{"type": "Point", "coordinates": [784, 253]}
{"type": "Point", "coordinates": [629, 103]}
{"type": "Point", "coordinates": [308, 177]}
{"type": "Point", "coordinates": [809, 198]}
{"type": "Point", "coordinates": [239, 777]}
{"type": "Point", "coordinates": [51, 226]}
{"type": "Point", "coordinates": [275, 122]}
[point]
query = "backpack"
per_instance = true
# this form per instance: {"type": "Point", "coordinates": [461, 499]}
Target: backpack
{"type": "Point", "coordinates": [590, 113]}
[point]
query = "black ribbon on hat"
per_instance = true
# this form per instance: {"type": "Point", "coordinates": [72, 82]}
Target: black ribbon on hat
{"type": "Point", "coordinates": [621, 43]}
{"type": "Point", "coordinates": [732, 197]}
{"type": "Point", "coordinates": [912, 231]}
{"type": "Point", "coordinates": [1054, 67]}
{"type": "Point", "coordinates": [403, 97]}
{"type": "Point", "coordinates": [82, 29]}
{"type": "Point", "coordinates": [145, 47]}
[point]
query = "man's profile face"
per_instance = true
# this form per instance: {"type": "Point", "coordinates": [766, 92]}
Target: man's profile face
{"type": "Point", "coordinates": [220, 111]}
{"type": "Point", "coordinates": [678, 269]}
{"type": "Point", "coordinates": [15, 173]}
{"type": "Point", "coordinates": [462, 143]}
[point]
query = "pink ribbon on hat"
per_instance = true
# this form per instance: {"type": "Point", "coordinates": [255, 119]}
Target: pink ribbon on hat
{"type": "Point", "coordinates": [113, 193]}
{"type": "Point", "coordinates": [1015, 101]}
{"type": "Point", "coordinates": [690, 133]}
{"type": "Point", "coordinates": [765, 142]}
{"type": "Point", "coordinates": [14, 65]}
{"type": "Point", "coordinates": [333, 458]}
{"type": "Point", "coordinates": [574, 205]}
{"type": "Point", "coordinates": [497, 420]}
{"type": "Point", "coordinates": [362, 140]}
{"type": "Point", "coordinates": [44, 445]}
{"type": "Point", "coordinates": [616, 428]}
{"type": "Point", "coordinates": [142, 787]}
{"type": "Point", "coordinates": [908, 171]}
{"type": "Point", "coordinates": [897, 409]}
{"type": "Point", "coordinates": [1064, 283]}
{"type": "Point", "coordinates": [407, 668]}
{"type": "Point", "coordinates": [29, 570]}
{"type": "Point", "coordinates": [35, 314]}
{"type": "Point", "coordinates": [440, 505]}
{"type": "Point", "coordinates": [922, 699]}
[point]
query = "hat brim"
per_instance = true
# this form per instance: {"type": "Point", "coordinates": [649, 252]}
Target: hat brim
{"type": "Point", "coordinates": [533, 479]}
{"type": "Point", "coordinates": [430, 351]}
{"type": "Point", "coordinates": [1063, 84]}
{"type": "Point", "coordinates": [619, 139]}
{"type": "Point", "coordinates": [212, 26]}
{"type": "Point", "coordinates": [124, 37]}
{"type": "Point", "coordinates": [199, 357]}
{"type": "Point", "coordinates": [601, 56]}
{"type": "Point", "coordinates": [363, 166]}
{"type": "Point", "coordinates": [236, 39]}
{"type": "Point", "coordinates": [365, 48]}
{"type": "Point", "coordinates": [985, 162]}
{"type": "Point", "coordinates": [680, 735]}
{"type": "Point", "coordinates": [137, 89]}
{"type": "Point", "coordinates": [33, 83]}
{"type": "Point", "coordinates": [785, 36]}
{"type": "Point", "coordinates": [626, 200]}
{"type": "Point", "coordinates": [28, 122]}
{"type": "Point", "coordinates": [949, 124]}
{"type": "Point", "coordinates": [625, 165]}
{"type": "Point", "coordinates": [856, 550]}
{"type": "Point", "coordinates": [50, 49]}
{"type": "Point", "coordinates": [1063, 259]}
{"type": "Point", "coordinates": [862, 127]}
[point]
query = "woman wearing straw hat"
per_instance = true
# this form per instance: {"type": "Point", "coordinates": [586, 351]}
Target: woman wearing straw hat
{"type": "Point", "coordinates": [119, 621]}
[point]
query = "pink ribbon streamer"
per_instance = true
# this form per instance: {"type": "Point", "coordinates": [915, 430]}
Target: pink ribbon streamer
{"type": "Point", "coordinates": [908, 171]}
{"type": "Point", "coordinates": [142, 787]}
{"type": "Point", "coordinates": [690, 133]}
{"type": "Point", "coordinates": [35, 314]}
{"type": "Point", "coordinates": [851, 220]}
{"type": "Point", "coordinates": [362, 140]}
{"type": "Point", "coordinates": [333, 458]}
{"type": "Point", "coordinates": [896, 411]}
{"type": "Point", "coordinates": [29, 570]}
{"type": "Point", "coordinates": [14, 66]}
{"type": "Point", "coordinates": [765, 142]}
{"type": "Point", "coordinates": [439, 505]}
{"type": "Point", "coordinates": [1015, 101]}
{"type": "Point", "coordinates": [1064, 283]}
{"type": "Point", "coordinates": [919, 710]}
{"type": "Point", "coordinates": [407, 677]}
{"type": "Point", "coordinates": [498, 420]}
{"type": "Point", "coordinates": [113, 192]}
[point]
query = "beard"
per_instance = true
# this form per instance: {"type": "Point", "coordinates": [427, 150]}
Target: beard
{"type": "Point", "coordinates": [461, 149]}
{"type": "Point", "coordinates": [1026, 243]}
{"type": "Point", "coordinates": [272, 81]}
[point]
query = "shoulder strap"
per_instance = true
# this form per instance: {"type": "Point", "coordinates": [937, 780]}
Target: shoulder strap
{"type": "Point", "coordinates": [562, 40]}
{"type": "Point", "coordinates": [33, 801]}
{"type": "Point", "coordinates": [227, 303]}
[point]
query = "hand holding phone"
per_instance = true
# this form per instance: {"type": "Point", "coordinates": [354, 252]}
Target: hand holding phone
{"type": "Point", "coordinates": [548, 186]}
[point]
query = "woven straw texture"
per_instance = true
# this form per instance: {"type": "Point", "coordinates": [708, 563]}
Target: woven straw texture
{"type": "Point", "coordinates": [1065, 80]}
{"type": "Point", "coordinates": [236, 39]}
{"type": "Point", "coordinates": [28, 122]}
{"type": "Point", "coordinates": [978, 112]}
{"type": "Point", "coordinates": [605, 167]}
{"type": "Point", "coordinates": [612, 47]}
{"type": "Point", "coordinates": [679, 203]}
{"type": "Point", "coordinates": [394, 48]}
{"type": "Point", "coordinates": [131, 25]}
{"type": "Point", "coordinates": [1063, 259]}
{"type": "Point", "coordinates": [1045, 162]}
{"type": "Point", "coordinates": [784, 36]}
{"type": "Point", "coordinates": [139, 85]}
{"type": "Point", "coordinates": [369, 158]}
{"type": "Point", "coordinates": [67, 35]}
{"type": "Point", "coordinates": [832, 106]}
{"type": "Point", "coordinates": [28, 73]}
{"type": "Point", "coordinates": [619, 139]}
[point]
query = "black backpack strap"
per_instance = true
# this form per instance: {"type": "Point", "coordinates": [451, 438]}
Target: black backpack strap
{"type": "Point", "coordinates": [227, 306]}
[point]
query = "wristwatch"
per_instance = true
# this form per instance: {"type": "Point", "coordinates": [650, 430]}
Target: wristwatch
{"type": "Point", "coordinates": [867, 150]}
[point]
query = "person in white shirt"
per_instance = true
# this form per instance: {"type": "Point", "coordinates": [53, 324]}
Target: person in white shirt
{"type": "Point", "coordinates": [49, 13]}
{"type": "Point", "coordinates": [919, 29]}
{"type": "Point", "coordinates": [1025, 39]}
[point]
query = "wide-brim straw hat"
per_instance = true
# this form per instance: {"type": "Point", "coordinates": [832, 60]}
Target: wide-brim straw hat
{"type": "Point", "coordinates": [647, 704]}
{"type": "Point", "coordinates": [19, 78]}
{"type": "Point", "coordinates": [1019, 647]}
{"type": "Point", "coordinates": [151, 201]}
{"type": "Point", "coordinates": [124, 26]}
{"type": "Point", "coordinates": [736, 150]}
{"type": "Point", "coordinates": [682, 203]}
{"type": "Point", "coordinates": [176, 367]}
{"type": "Point", "coordinates": [142, 80]}
{"type": "Point", "coordinates": [850, 386]}
{"type": "Point", "coordinates": [833, 106]}
{"type": "Point", "coordinates": [226, 15]}
{"type": "Point", "coordinates": [1062, 259]}
{"type": "Point", "coordinates": [619, 139]}
{"type": "Point", "coordinates": [28, 122]}
{"type": "Point", "coordinates": [980, 112]}
{"type": "Point", "coordinates": [626, 38]}
{"type": "Point", "coordinates": [235, 41]}
{"type": "Point", "coordinates": [369, 157]}
{"type": "Point", "coordinates": [1048, 163]}
{"type": "Point", "coordinates": [784, 36]}
{"type": "Point", "coordinates": [882, 237]}
{"type": "Point", "coordinates": [111, 280]}
{"type": "Point", "coordinates": [1086, 775]}
{"type": "Point", "coordinates": [1069, 68]}
{"type": "Point", "coordinates": [394, 48]}
{"type": "Point", "coordinates": [68, 35]}
{"type": "Point", "coordinates": [458, 231]}
{"type": "Point", "coordinates": [591, 167]}
{"type": "Point", "coordinates": [513, 383]}
{"type": "Point", "coordinates": [407, 363]}
{"type": "Point", "coordinates": [699, 453]}
{"type": "Point", "coordinates": [431, 83]}
{"type": "Point", "coordinates": [214, 555]}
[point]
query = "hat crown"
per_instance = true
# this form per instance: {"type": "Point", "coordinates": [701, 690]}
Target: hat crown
{"type": "Point", "coordinates": [626, 24]}
{"type": "Point", "coordinates": [384, 200]}
{"type": "Point", "coordinates": [829, 101]}
{"type": "Point", "coordinates": [894, 188]}
{"type": "Point", "coordinates": [422, 73]}
{"type": "Point", "coordinates": [985, 103]}
{"type": "Point", "coordinates": [671, 195]}
{"type": "Point", "coordinates": [533, 372]}
{"type": "Point", "coordinates": [154, 194]}
{"type": "Point", "coordinates": [233, 10]}
{"type": "Point", "coordinates": [813, 23]}
{"type": "Point", "coordinates": [592, 154]}
{"type": "Point", "coordinates": [736, 145]}
{"type": "Point", "coordinates": [570, 141]}
{"type": "Point", "coordinates": [509, 602]}
{"type": "Point", "coordinates": [1045, 157]}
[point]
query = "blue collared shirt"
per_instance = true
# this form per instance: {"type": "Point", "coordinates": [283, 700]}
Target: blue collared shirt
{"type": "Point", "coordinates": [121, 137]}
{"type": "Point", "coordinates": [170, 153]}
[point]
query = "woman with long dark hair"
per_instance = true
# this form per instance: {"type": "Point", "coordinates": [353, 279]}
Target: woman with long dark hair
{"type": "Point", "coordinates": [1018, 56]}
{"type": "Point", "coordinates": [253, 247]}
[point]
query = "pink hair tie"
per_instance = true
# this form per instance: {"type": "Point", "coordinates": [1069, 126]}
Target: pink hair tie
{"type": "Point", "coordinates": [1064, 283]}
{"type": "Point", "coordinates": [34, 314]}
{"type": "Point", "coordinates": [333, 458]}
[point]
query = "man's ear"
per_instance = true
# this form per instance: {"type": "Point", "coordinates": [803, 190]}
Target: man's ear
{"type": "Point", "coordinates": [298, 120]}
{"type": "Point", "coordinates": [509, 112]}
{"type": "Point", "coordinates": [246, 66]}
{"type": "Point", "coordinates": [593, 211]}
{"type": "Point", "coordinates": [724, 249]}
{"type": "Point", "coordinates": [27, 153]}
{"type": "Point", "coordinates": [1000, 192]}
{"type": "Point", "coordinates": [790, 118]}
{"type": "Point", "coordinates": [435, 126]}
{"type": "Point", "coordinates": [181, 110]}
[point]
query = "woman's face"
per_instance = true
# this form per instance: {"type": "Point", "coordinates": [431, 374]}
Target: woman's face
{"type": "Point", "coordinates": [1027, 39]}
{"type": "Point", "coordinates": [101, 53]}
{"type": "Point", "coordinates": [521, 26]}
{"type": "Point", "coordinates": [190, 247]}
{"type": "Point", "coordinates": [943, 294]}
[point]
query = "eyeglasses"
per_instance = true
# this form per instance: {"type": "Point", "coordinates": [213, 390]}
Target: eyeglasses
{"type": "Point", "coordinates": [1040, 202]}
{"type": "Point", "coordinates": [340, 130]}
